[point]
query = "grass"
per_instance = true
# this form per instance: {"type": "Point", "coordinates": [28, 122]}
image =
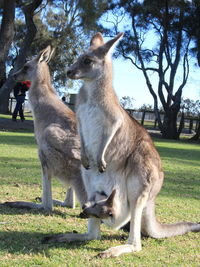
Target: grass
{"type": "Point", "coordinates": [27, 115]}
{"type": "Point", "coordinates": [21, 231]}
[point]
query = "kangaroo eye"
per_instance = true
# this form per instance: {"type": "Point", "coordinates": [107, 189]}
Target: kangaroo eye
{"type": "Point", "coordinates": [26, 68]}
{"type": "Point", "coordinates": [87, 61]}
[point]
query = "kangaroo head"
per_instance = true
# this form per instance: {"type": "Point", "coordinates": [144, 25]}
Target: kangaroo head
{"type": "Point", "coordinates": [91, 64]}
{"type": "Point", "coordinates": [100, 207]}
{"type": "Point", "coordinates": [32, 68]}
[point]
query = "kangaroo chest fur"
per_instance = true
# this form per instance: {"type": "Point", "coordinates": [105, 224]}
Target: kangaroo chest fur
{"type": "Point", "coordinates": [92, 121]}
{"type": "Point", "coordinates": [91, 118]}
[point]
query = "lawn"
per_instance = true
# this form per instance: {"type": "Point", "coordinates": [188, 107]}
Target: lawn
{"type": "Point", "coordinates": [21, 231]}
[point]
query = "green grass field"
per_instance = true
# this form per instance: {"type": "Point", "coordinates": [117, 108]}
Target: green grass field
{"type": "Point", "coordinates": [21, 231]}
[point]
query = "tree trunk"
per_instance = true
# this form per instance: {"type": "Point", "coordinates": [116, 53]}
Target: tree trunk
{"type": "Point", "coordinates": [197, 135]}
{"type": "Point", "coordinates": [6, 37]}
{"type": "Point", "coordinates": [169, 128]}
{"type": "Point", "coordinates": [4, 102]}
{"type": "Point", "coordinates": [30, 35]}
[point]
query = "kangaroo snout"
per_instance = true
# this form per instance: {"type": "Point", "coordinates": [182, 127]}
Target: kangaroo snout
{"type": "Point", "coordinates": [17, 76]}
{"type": "Point", "coordinates": [14, 76]}
{"type": "Point", "coordinates": [71, 74]}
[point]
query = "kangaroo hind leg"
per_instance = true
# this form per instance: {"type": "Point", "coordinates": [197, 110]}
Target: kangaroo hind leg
{"type": "Point", "coordinates": [137, 205]}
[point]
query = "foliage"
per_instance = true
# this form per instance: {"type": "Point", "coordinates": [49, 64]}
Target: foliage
{"type": "Point", "coordinates": [146, 107]}
{"type": "Point", "coordinates": [127, 102]}
{"type": "Point", "coordinates": [23, 230]}
{"type": "Point", "coordinates": [193, 29]}
{"type": "Point", "coordinates": [190, 107]}
{"type": "Point", "coordinates": [66, 25]}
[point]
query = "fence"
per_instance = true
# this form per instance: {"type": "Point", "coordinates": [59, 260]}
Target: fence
{"type": "Point", "coordinates": [148, 119]}
{"type": "Point", "coordinates": [145, 117]}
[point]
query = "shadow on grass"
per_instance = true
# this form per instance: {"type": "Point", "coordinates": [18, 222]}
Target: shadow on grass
{"type": "Point", "coordinates": [32, 242]}
{"type": "Point", "coordinates": [29, 242]}
{"type": "Point", "coordinates": [6, 210]}
{"type": "Point", "coordinates": [15, 242]}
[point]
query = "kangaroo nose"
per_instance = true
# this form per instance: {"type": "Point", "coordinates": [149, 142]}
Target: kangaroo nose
{"type": "Point", "coordinates": [69, 72]}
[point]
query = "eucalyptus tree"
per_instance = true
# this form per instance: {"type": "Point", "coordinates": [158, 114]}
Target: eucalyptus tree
{"type": "Point", "coordinates": [63, 24]}
{"type": "Point", "coordinates": [29, 8]}
{"type": "Point", "coordinates": [157, 41]}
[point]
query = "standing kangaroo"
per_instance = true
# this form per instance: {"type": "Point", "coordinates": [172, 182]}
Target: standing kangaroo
{"type": "Point", "coordinates": [119, 158]}
{"type": "Point", "coordinates": [55, 132]}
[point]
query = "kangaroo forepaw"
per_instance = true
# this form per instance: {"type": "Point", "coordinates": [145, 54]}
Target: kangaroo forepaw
{"type": "Point", "coordinates": [102, 166]}
{"type": "Point", "coordinates": [85, 162]}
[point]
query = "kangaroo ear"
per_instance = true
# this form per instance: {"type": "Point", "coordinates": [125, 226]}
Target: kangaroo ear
{"type": "Point", "coordinates": [110, 200]}
{"type": "Point", "coordinates": [96, 41]}
{"type": "Point", "coordinates": [109, 46]}
{"type": "Point", "coordinates": [46, 54]}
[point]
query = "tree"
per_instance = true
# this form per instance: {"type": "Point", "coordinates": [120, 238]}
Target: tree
{"type": "Point", "coordinates": [194, 32]}
{"type": "Point", "coordinates": [165, 22]}
{"type": "Point", "coordinates": [28, 10]}
{"type": "Point", "coordinates": [6, 35]}
{"type": "Point", "coordinates": [193, 28]}
{"type": "Point", "coordinates": [60, 23]}
{"type": "Point", "coordinates": [66, 25]}
{"type": "Point", "coordinates": [127, 102]}
{"type": "Point", "coordinates": [146, 107]}
{"type": "Point", "coordinates": [190, 107]}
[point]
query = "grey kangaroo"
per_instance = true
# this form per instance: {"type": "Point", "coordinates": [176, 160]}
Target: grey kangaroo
{"type": "Point", "coordinates": [118, 156]}
{"type": "Point", "coordinates": [55, 133]}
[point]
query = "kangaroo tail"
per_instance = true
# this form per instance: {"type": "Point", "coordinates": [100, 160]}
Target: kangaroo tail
{"type": "Point", "coordinates": [151, 227]}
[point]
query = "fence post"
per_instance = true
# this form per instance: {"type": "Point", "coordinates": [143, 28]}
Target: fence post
{"type": "Point", "coordinates": [155, 123]}
{"type": "Point", "coordinates": [143, 116]}
{"type": "Point", "coordinates": [191, 126]}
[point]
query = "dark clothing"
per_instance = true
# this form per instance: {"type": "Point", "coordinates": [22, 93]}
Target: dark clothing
{"type": "Point", "coordinates": [18, 108]}
{"type": "Point", "coordinates": [20, 89]}
{"type": "Point", "coordinates": [20, 94]}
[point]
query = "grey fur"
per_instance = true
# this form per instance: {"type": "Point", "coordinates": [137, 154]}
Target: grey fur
{"type": "Point", "coordinates": [55, 133]}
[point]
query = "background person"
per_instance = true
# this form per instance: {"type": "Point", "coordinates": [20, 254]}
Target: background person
{"type": "Point", "coordinates": [20, 94]}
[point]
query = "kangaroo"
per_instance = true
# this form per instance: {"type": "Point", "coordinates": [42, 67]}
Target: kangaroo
{"type": "Point", "coordinates": [117, 154]}
{"type": "Point", "coordinates": [100, 206]}
{"type": "Point", "coordinates": [55, 133]}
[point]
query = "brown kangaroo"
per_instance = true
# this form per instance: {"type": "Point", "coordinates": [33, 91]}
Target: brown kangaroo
{"type": "Point", "coordinates": [118, 155]}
